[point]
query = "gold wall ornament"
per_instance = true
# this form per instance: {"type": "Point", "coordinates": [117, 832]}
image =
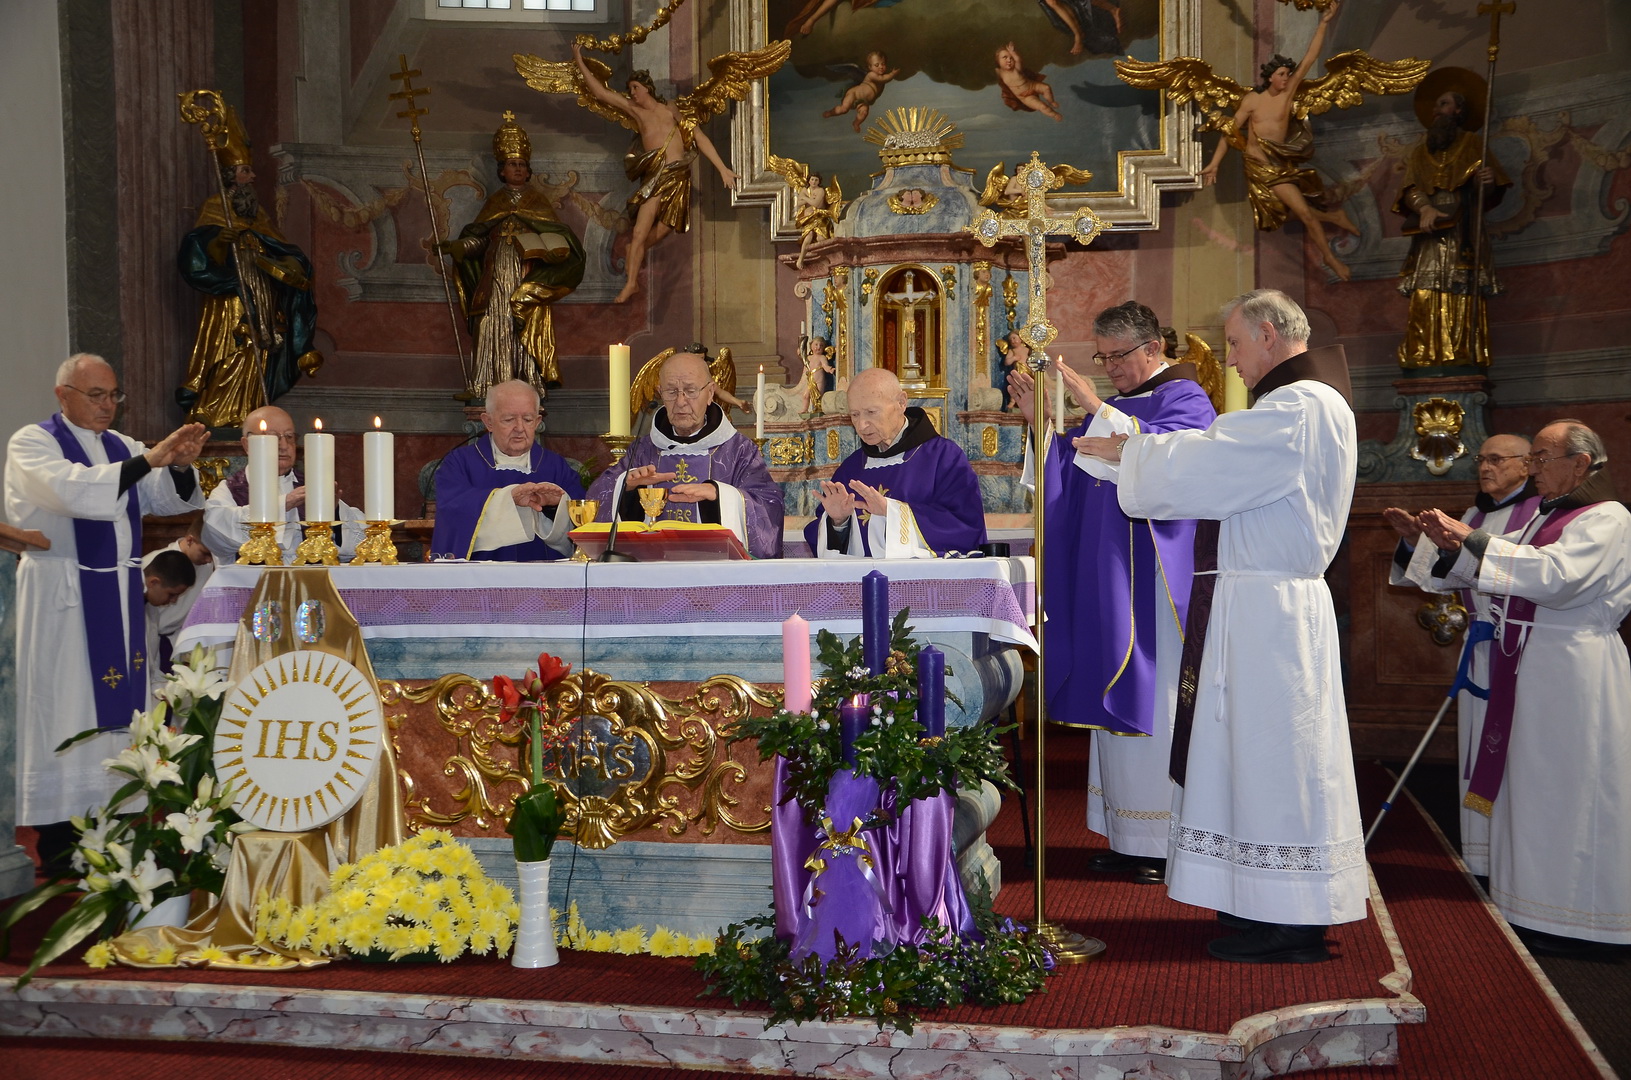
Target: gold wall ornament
{"type": "Point", "coordinates": [832, 444]}
{"type": "Point", "coordinates": [211, 471]}
{"type": "Point", "coordinates": [617, 42]}
{"type": "Point", "coordinates": [1438, 430]}
{"type": "Point", "coordinates": [869, 282]}
{"type": "Point", "coordinates": [948, 281]}
{"type": "Point", "coordinates": [913, 201]}
{"type": "Point", "coordinates": [1010, 299]}
{"type": "Point", "coordinates": [840, 325]}
{"type": "Point", "coordinates": [1443, 618]}
{"type": "Point", "coordinates": [620, 754]}
{"type": "Point", "coordinates": [793, 450]}
{"type": "Point", "coordinates": [914, 135]}
{"type": "Point", "coordinates": [988, 442]}
{"type": "Point", "coordinates": [982, 320]}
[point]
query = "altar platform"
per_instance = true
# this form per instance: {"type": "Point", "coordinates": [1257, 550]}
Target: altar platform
{"type": "Point", "coordinates": [1431, 984]}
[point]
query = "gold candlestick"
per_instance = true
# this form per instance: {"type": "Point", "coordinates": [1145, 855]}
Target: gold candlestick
{"type": "Point", "coordinates": [376, 546]}
{"type": "Point", "coordinates": [619, 445]}
{"type": "Point", "coordinates": [318, 549]}
{"type": "Point", "coordinates": [261, 549]}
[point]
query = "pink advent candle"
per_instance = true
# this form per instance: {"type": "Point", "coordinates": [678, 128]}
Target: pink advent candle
{"type": "Point", "coordinates": [796, 664]}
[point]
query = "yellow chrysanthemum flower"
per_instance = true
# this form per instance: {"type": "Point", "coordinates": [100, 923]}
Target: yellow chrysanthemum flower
{"type": "Point", "coordinates": [99, 955]}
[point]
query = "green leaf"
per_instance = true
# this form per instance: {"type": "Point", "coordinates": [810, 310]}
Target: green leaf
{"type": "Point", "coordinates": [82, 736]}
{"type": "Point", "coordinates": [76, 924]}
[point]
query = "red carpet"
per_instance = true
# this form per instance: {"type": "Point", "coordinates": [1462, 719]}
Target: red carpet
{"type": "Point", "coordinates": [1487, 1018]}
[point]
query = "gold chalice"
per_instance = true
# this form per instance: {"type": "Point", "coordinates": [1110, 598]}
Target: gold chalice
{"type": "Point", "coordinates": [652, 501]}
{"type": "Point", "coordinates": [582, 512]}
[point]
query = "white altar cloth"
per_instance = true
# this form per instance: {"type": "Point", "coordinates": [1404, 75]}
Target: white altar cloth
{"type": "Point", "coordinates": [993, 596]}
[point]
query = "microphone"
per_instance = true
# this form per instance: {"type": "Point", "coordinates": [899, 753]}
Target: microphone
{"type": "Point", "coordinates": [611, 554]}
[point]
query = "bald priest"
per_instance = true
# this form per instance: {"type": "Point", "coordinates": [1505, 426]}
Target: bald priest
{"type": "Point", "coordinates": [501, 498]}
{"type": "Point", "coordinates": [907, 493]}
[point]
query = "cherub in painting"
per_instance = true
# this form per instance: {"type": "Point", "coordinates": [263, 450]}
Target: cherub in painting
{"type": "Point", "coordinates": [864, 94]}
{"type": "Point", "coordinates": [1021, 87]}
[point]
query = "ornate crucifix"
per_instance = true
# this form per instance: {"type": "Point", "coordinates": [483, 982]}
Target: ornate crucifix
{"type": "Point", "coordinates": [1036, 180]}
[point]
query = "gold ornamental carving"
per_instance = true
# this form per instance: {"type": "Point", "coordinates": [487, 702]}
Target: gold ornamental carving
{"type": "Point", "coordinates": [914, 136]}
{"type": "Point", "coordinates": [869, 282]}
{"type": "Point", "coordinates": [913, 201]}
{"type": "Point", "coordinates": [1438, 434]}
{"type": "Point", "coordinates": [1010, 299]}
{"type": "Point", "coordinates": [1443, 618]}
{"type": "Point", "coordinates": [792, 450]}
{"type": "Point", "coordinates": [832, 444]}
{"type": "Point", "coordinates": [982, 318]}
{"type": "Point", "coordinates": [839, 314]}
{"type": "Point", "coordinates": [948, 281]}
{"type": "Point", "coordinates": [211, 471]}
{"type": "Point", "coordinates": [988, 441]}
{"type": "Point", "coordinates": [620, 756]}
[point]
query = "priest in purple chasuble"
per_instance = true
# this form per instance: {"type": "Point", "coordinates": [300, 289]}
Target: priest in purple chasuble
{"type": "Point", "coordinates": [503, 497]}
{"type": "Point", "coordinates": [907, 493]}
{"type": "Point", "coordinates": [226, 511]}
{"type": "Point", "coordinates": [1117, 589]}
{"type": "Point", "coordinates": [81, 629]}
{"type": "Point", "coordinates": [713, 473]}
{"type": "Point", "coordinates": [1549, 769]}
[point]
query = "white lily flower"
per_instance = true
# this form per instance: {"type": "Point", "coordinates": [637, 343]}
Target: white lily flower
{"type": "Point", "coordinates": [206, 787]}
{"type": "Point", "coordinates": [146, 764]}
{"type": "Point", "coordinates": [144, 877]}
{"type": "Point", "coordinates": [192, 827]}
{"type": "Point", "coordinates": [93, 837]}
{"type": "Point", "coordinates": [195, 680]}
{"type": "Point", "coordinates": [172, 743]}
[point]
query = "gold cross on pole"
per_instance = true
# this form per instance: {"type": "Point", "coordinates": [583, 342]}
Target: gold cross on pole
{"type": "Point", "coordinates": [1036, 179]}
{"type": "Point", "coordinates": [408, 93]}
{"type": "Point", "coordinates": [1495, 11]}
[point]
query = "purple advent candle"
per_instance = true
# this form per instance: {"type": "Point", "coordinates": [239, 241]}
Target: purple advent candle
{"type": "Point", "coordinates": [875, 621]}
{"type": "Point", "coordinates": [852, 720]}
{"type": "Point", "coordinates": [931, 690]}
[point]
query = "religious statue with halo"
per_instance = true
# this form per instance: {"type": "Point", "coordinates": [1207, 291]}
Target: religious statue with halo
{"type": "Point", "coordinates": [668, 136]}
{"type": "Point", "coordinates": [1269, 124]}
{"type": "Point", "coordinates": [255, 332]}
{"type": "Point", "coordinates": [513, 262]}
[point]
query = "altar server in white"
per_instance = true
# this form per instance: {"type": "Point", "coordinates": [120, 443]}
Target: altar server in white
{"type": "Point", "coordinates": [1551, 767]}
{"type": "Point", "coordinates": [1266, 825]}
{"type": "Point", "coordinates": [1506, 501]}
{"type": "Point", "coordinates": [226, 513]}
{"type": "Point", "coordinates": [81, 629]}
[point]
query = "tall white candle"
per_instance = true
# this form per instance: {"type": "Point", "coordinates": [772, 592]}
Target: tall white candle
{"type": "Point", "coordinates": [265, 498]}
{"type": "Point", "coordinates": [1058, 395]}
{"type": "Point", "coordinates": [617, 377]}
{"type": "Point", "coordinates": [1234, 390]}
{"type": "Point", "coordinates": [759, 405]}
{"type": "Point", "coordinates": [379, 474]}
{"type": "Point", "coordinates": [319, 475]}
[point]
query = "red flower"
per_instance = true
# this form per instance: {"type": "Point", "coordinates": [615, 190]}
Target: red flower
{"type": "Point", "coordinates": [551, 671]}
{"type": "Point", "coordinates": [509, 697]}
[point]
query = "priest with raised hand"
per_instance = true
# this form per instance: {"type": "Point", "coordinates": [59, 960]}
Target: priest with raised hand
{"type": "Point", "coordinates": [1549, 769]}
{"type": "Point", "coordinates": [502, 498]}
{"type": "Point", "coordinates": [1267, 826]}
{"type": "Point", "coordinates": [907, 493]}
{"type": "Point", "coordinates": [81, 615]}
{"type": "Point", "coordinates": [1117, 590]}
{"type": "Point", "coordinates": [1507, 500]}
{"type": "Point", "coordinates": [713, 473]}
{"type": "Point", "coordinates": [226, 511]}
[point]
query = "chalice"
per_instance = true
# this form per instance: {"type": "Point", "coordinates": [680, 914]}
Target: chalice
{"type": "Point", "coordinates": [582, 512]}
{"type": "Point", "coordinates": [652, 501]}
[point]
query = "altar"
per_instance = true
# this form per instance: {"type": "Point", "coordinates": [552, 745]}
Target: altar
{"type": "Point", "coordinates": [671, 820]}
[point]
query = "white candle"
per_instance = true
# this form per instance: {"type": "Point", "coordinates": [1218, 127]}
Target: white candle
{"type": "Point", "coordinates": [265, 498]}
{"type": "Point", "coordinates": [379, 474]}
{"type": "Point", "coordinates": [617, 377]}
{"type": "Point", "coordinates": [801, 329]}
{"type": "Point", "coordinates": [759, 406]}
{"type": "Point", "coordinates": [1058, 395]}
{"type": "Point", "coordinates": [319, 475]}
{"type": "Point", "coordinates": [1234, 390]}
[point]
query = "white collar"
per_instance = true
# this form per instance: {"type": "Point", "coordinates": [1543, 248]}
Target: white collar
{"type": "Point", "coordinates": [719, 436]}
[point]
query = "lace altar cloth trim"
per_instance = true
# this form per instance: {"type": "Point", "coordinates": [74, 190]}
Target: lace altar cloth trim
{"type": "Point", "coordinates": [466, 601]}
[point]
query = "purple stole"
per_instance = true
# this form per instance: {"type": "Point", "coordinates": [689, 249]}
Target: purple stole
{"type": "Point", "coordinates": [1505, 656]}
{"type": "Point", "coordinates": [1522, 514]}
{"type": "Point", "coordinates": [118, 679]}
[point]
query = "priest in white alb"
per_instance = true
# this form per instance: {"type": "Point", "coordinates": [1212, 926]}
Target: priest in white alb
{"type": "Point", "coordinates": [81, 616]}
{"type": "Point", "coordinates": [1267, 828]}
{"type": "Point", "coordinates": [1506, 500]}
{"type": "Point", "coordinates": [1549, 768]}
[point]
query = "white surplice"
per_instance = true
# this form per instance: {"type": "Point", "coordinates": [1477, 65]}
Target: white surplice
{"type": "Point", "coordinates": [1560, 830]}
{"type": "Point", "coordinates": [1267, 825]}
{"type": "Point", "coordinates": [226, 524]}
{"type": "Point", "coordinates": [1469, 707]}
{"type": "Point", "coordinates": [45, 491]}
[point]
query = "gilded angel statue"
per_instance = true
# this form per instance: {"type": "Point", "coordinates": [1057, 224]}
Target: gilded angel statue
{"type": "Point", "coordinates": [1004, 194]}
{"type": "Point", "coordinates": [668, 135]}
{"type": "Point", "coordinates": [1270, 123]}
{"type": "Point", "coordinates": [721, 369]}
{"type": "Point", "coordinates": [816, 209]}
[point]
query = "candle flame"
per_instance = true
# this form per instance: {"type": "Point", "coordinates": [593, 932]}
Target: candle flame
{"type": "Point", "coordinates": [376, 423]}
{"type": "Point", "coordinates": [859, 701]}
{"type": "Point", "coordinates": [317, 423]}
{"type": "Point", "coordinates": [263, 427]}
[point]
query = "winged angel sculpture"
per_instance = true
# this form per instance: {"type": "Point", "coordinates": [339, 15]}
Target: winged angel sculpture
{"type": "Point", "coordinates": [1005, 195]}
{"type": "Point", "coordinates": [721, 369]}
{"type": "Point", "coordinates": [816, 209]}
{"type": "Point", "coordinates": [1269, 124]}
{"type": "Point", "coordinates": [668, 135]}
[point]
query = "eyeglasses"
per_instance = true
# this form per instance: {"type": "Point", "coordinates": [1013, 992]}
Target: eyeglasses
{"type": "Point", "coordinates": [1496, 459]}
{"type": "Point", "coordinates": [1102, 359]}
{"type": "Point", "coordinates": [688, 393]}
{"type": "Point", "coordinates": [1539, 460]}
{"type": "Point", "coordinates": [99, 397]}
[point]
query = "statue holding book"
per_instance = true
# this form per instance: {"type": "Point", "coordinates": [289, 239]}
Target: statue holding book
{"type": "Point", "coordinates": [512, 263]}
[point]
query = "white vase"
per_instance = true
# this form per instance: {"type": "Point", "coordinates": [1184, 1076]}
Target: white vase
{"type": "Point", "coordinates": [535, 936]}
{"type": "Point", "coordinates": [171, 912]}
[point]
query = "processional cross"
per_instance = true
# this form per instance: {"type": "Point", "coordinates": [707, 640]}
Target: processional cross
{"type": "Point", "coordinates": [1036, 180]}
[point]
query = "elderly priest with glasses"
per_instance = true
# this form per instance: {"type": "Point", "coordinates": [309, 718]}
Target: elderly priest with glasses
{"type": "Point", "coordinates": [713, 473]}
{"type": "Point", "coordinates": [907, 493]}
{"type": "Point", "coordinates": [501, 498]}
{"type": "Point", "coordinates": [81, 629]}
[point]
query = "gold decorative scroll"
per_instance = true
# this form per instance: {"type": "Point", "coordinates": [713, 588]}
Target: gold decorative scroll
{"type": "Point", "coordinates": [840, 322]}
{"type": "Point", "coordinates": [832, 444]}
{"type": "Point", "coordinates": [982, 319]}
{"type": "Point", "coordinates": [792, 450]}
